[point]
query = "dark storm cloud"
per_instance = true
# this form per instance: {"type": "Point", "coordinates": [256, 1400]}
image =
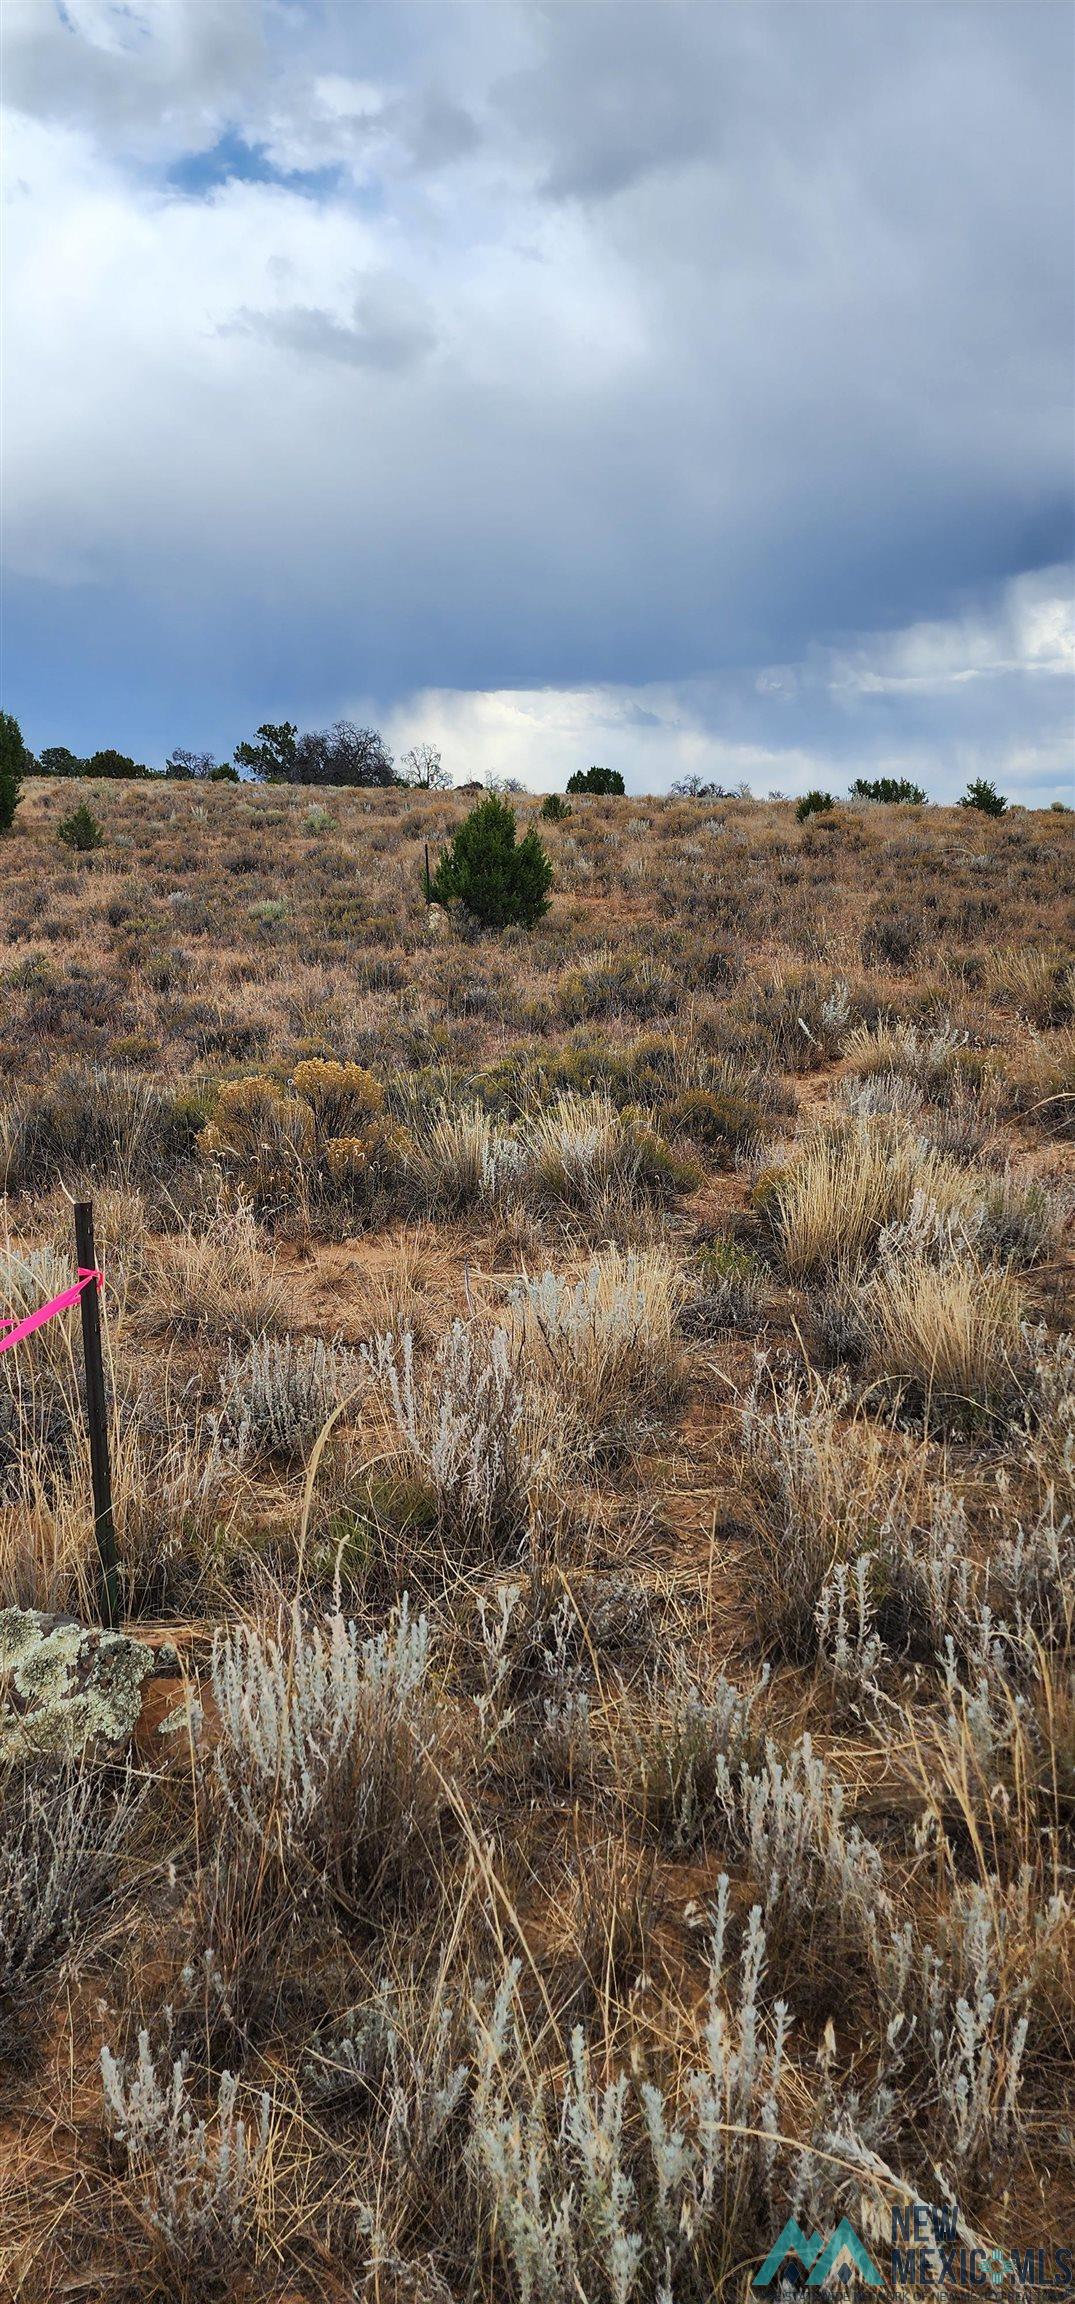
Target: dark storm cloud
{"type": "Point", "coordinates": [686, 341]}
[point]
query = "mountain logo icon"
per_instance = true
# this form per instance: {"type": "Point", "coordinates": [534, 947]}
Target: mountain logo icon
{"type": "Point", "coordinates": [840, 2259]}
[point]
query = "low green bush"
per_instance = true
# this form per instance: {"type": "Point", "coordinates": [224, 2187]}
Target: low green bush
{"type": "Point", "coordinates": [889, 789]}
{"type": "Point", "coordinates": [983, 795]}
{"type": "Point", "coordinates": [606, 782]}
{"type": "Point", "coordinates": [607, 986]}
{"type": "Point", "coordinates": [80, 830]}
{"type": "Point", "coordinates": [627, 1072]}
{"type": "Point", "coordinates": [718, 1119]}
{"type": "Point", "coordinates": [498, 879]}
{"type": "Point", "coordinates": [813, 804]}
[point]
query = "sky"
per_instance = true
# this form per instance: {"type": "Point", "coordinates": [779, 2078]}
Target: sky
{"type": "Point", "coordinates": [687, 388]}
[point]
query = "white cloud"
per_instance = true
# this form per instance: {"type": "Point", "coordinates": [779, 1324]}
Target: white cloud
{"type": "Point", "coordinates": [564, 372]}
{"type": "Point", "coordinates": [654, 733]}
{"type": "Point", "coordinates": [159, 75]}
{"type": "Point", "coordinates": [1044, 625]}
{"type": "Point", "coordinates": [651, 734]}
{"type": "Point", "coordinates": [1031, 630]}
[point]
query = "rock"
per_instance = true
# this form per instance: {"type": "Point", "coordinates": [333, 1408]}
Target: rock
{"type": "Point", "coordinates": [65, 1685]}
{"type": "Point", "coordinates": [438, 923]}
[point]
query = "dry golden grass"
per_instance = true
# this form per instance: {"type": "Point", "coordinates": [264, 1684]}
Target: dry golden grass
{"type": "Point", "coordinates": [1038, 980]}
{"type": "Point", "coordinates": [823, 1484]}
{"type": "Point", "coordinates": [846, 1183]}
{"type": "Point", "coordinates": [606, 1343]}
{"type": "Point", "coordinates": [951, 1333]}
{"type": "Point", "coordinates": [218, 1282]}
{"type": "Point", "coordinates": [447, 1894]}
{"type": "Point", "coordinates": [1043, 1082]}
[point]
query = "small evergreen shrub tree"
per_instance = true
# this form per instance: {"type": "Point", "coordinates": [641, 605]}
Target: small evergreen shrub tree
{"type": "Point", "coordinates": [80, 829]}
{"type": "Point", "coordinates": [14, 761]}
{"type": "Point", "coordinates": [889, 789]}
{"type": "Point", "coordinates": [980, 793]}
{"type": "Point", "coordinates": [115, 764]}
{"type": "Point", "coordinates": [342, 754]}
{"type": "Point", "coordinates": [554, 808]}
{"type": "Point", "coordinates": [601, 780]}
{"type": "Point", "coordinates": [813, 804]}
{"type": "Point", "coordinates": [498, 879]}
{"type": "Point", "coordinates": [56, 760]}
{"type": "Point", "coordinates": [273, 760]}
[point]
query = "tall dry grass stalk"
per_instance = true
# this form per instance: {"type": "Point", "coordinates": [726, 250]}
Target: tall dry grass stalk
{"type": "Point", "coordinates": [218, 1280]}
{"type": "Point", "coordinates": [951, 1332]}
{"type": "Point", "coordinates": [606, 1343]}
{"type": "Point", "coordinates": [825, 1483]}
{"type": "Point", "coordinates": [846, 1183]}
{"type": "Point", "coordinates": [1038, 979]}
{"type": "Point", "coordinates": [581, 1150]}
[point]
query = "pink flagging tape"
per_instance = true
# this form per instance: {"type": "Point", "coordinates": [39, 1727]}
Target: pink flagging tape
{"type": "Point", "coordinates": [61, 1303]}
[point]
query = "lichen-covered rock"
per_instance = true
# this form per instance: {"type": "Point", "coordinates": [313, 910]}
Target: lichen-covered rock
{"type": "Point", "coordinates": [20, 1630]}
{"type": "Point", "coordinates": [64, 1685]}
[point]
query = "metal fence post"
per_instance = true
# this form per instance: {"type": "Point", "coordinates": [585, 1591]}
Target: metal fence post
{"type": "Point", "coordinates": [104, 1526]}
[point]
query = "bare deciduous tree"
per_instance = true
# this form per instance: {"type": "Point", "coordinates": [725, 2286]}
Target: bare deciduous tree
{"type": "Point", "coordinates": [422, 766]}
